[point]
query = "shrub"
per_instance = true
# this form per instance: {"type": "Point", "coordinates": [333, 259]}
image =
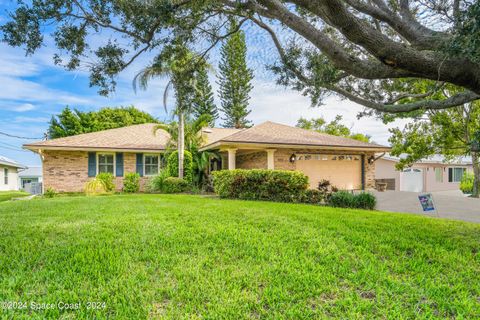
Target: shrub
{"type": "Point", "coordinates": [466, 185]}
{"type": "Point", "coordinates": [107, 179]}
{"type": "Point", "coordinates": [313, 196]}
{"type": "Point", "coordinates": [365, 201]}
{"type": "Point", "coordinates": [257, 184]}
{"type": "Point", "coordinates": [50, 193]}
{"type": "Point", "coordinates": [131, 182]}
{"type": "Point", "coordinates": [174, 185]}
{"type": "Point", "coordinates": [344, 199]}
{"type": "Point", "coordinates": [95, 187]}
{"type": "Point", "coordinates": [326, 189]}
{"type": "Point", "coordinates": [172, 165]}
{"type": "Point", "coordinates": [155, 184]}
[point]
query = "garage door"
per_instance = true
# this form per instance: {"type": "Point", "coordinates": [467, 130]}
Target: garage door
{"type": "Point", "coordinates": [343, 171]}
{"type": "Point", "coordinates": [411, 180]}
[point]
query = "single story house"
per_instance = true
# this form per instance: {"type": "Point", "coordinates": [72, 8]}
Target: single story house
{"type": "Point", "coordinates": [9, 174]}
{"type": "Point", "coordinates": [431, 174]}
{"type": "Point", "coordinates": [29, 177]}
{"type": "Point", "coordinates": [68, 163]}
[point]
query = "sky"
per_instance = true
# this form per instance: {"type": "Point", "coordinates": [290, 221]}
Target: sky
{"type": "Point", "coordinates": [33, 89]}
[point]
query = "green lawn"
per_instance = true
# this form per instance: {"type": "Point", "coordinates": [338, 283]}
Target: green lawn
{"type": "Point", "coordinates": [179, 256]}
{"type": "Point", "coordinates": [7, 195]}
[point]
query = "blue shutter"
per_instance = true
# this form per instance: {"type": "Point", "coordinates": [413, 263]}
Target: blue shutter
{"type": "Point", "coordinates": [119, 164]}
{"type": "Point", "coordinates": [140, 164]}
{"type": "Point", "coordinates": [92, 164]}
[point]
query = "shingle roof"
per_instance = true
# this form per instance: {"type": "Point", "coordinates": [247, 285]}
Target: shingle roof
{"type": "Point", "coordinates": [11, 163]}
{"type": "Point", "coordinates": [215, 134]}
{"type": "Point", "coordinates": [275, 133]}
{"type": "Point", "coordinates": [138, 137]}
{"type": "Point", "coordinates": [33, 171]}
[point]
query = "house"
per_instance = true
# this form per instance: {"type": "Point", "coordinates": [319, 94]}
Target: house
{"type": "Point", "coordinates": [68, 163]}
{"type": "Point", "coordinates": [30, 177]}
{"type": "Point", "coordinates": [9, 174]}
{"type": "Point", "coordinates": [432, 174]}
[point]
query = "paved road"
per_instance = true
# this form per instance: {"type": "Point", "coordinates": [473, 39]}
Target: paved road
{"type": "Point", "coordinates": [449, 206]}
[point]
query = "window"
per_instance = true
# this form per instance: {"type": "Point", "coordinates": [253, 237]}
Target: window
{"type": "Point", "coordinates": [438, 174]}
{"type": "Point", "coordinates": [151, 164]}
{"type": "Point", "coordinates": [455, 174]}
{"type": "Point", "coordinates": [5, 178]}
{"type": "Point", "coordinates": [106, 163]}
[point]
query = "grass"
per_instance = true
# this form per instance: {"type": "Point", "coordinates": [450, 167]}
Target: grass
{"type": "Point", "coordinates": [180, 256]}
{"type": "Point", "coordinates": [8, 195]}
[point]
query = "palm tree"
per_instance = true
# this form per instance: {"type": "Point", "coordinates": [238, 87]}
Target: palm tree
{"type": "Point", "coordinates": [178, 64]}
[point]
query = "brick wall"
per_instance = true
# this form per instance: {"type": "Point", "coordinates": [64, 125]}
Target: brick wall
{"type": "Point", "coordinates": [251, 160]}
{"type": "Point", "coordinates": [67, 171]}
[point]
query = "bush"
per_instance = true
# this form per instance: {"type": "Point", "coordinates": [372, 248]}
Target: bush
{"type": "Point", "coordinates": [107, 179]}
{"type": "Point", "coordinates": [172, 165]}
{"type": "Point", "coordinates": [131, 182]}
{"type": "Point", "coordinates": [174, 185]}
{"type": "Point", "coordinates": [95, 187]}
{"type": "Point", "coordinates": [155, 184]}
{"type": "Point", "coordinates": [466, 185]}
{"type": "Point", "coordinates": [50, 193]}
{"type": "Point", "coordinates": [257, 184]}
{"type": "Point", "coordinates": [365, 201]}
{"type": "Point", "coordinates": [344, 199]}
{"type": "Point", "coordinates": [326, 189]}
{"type": "Point", "coordinates": [313, 196]}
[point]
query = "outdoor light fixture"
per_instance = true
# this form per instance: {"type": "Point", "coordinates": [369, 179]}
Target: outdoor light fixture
{"type": "Point", "coordinates": [371, 160]}
{"type": "Point", "coordinates": [293, 157]}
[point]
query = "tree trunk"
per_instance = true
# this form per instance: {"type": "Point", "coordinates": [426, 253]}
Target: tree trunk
{"type": "Point", "coordinates": [181, 142]}
{"type": "Point", "coordinates": [476, 175]}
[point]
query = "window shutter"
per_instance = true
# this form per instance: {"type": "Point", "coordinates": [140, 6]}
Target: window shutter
{"type": "Point", "coordinates": [450, 174]}
{"type": "Point", "coordinates": [140, 164]}
{"type": "Point", "coordinates": [92, 164]}
{"type": "Point", "coordinates": [119, 164]}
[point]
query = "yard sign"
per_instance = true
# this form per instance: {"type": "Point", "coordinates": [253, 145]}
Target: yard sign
{"type": "Point", "coordinates": [426, 201]}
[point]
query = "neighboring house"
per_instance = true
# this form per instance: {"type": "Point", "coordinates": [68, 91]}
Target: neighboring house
{"type": "Point", "coordinates": [68, 163]}
{"type": "Point", "coordinates": [29, 176]}
{"type": "Point", "coordinates": [9, 174]}
{"type": "Point", "coordinates": [432, 174]}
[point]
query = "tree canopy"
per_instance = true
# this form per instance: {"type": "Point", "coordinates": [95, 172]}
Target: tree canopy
{"type": "Point", "coordinates": [71, 122]}
{"type": "Point", "coordinates": [334, 127]}
{"type": "Point", "coordinates": [357, 49]}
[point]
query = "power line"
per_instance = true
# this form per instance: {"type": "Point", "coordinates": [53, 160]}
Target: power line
{"type": "Point", "coordinates": [18, 150]}
{"type": "Point", "coordinates": [18, 137]}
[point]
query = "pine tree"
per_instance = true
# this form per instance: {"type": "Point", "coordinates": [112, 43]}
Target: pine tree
{"type": "Point", "coordinates": [235, 80]}
{"type": "Point", "coordinates": [203, 102]}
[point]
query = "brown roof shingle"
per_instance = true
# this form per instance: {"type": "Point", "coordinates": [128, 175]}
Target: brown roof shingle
{"type": "Point", "coordinates": [275, 133]}
{"type": "Point", "coordinates": [137, 137]}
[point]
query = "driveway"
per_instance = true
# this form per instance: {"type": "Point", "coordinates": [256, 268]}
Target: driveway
{"type": "Point", "coordinates": [451, 206]}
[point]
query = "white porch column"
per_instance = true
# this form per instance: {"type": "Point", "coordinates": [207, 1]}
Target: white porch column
{"type": "Point", "coordinates": [271, 159]}
{"type": "Point", "coordinates": [231, 158]}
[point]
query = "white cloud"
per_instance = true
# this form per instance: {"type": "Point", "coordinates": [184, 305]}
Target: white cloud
{"type": "Point", "coordinates": [24, 107]}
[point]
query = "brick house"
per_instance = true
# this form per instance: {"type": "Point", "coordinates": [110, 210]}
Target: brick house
{"type": "Point", "coordinates": [68, 163]}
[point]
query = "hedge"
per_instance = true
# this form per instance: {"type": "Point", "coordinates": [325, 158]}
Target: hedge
{"type": "Point", "coordinates": [258, 184]}
{"type": "Point", "coordinates": [345, 199]}
{"type": "Point", "coordinates": [172, 165]}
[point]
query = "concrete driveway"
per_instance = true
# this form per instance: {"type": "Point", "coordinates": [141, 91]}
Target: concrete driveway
{"type": "Point", "coordinates": [451, 206]}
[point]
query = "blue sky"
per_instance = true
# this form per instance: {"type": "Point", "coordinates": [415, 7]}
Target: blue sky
{"type": "Point", "coordinates": [32, 89]}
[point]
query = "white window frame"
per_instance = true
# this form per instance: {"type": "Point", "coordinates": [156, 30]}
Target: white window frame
{"type": "Point", "coordinates": [5, 178]}
{"type": "Point", "coordinates": [145, 165]}
{"type": "Point", "coordinates": [114, 161]}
